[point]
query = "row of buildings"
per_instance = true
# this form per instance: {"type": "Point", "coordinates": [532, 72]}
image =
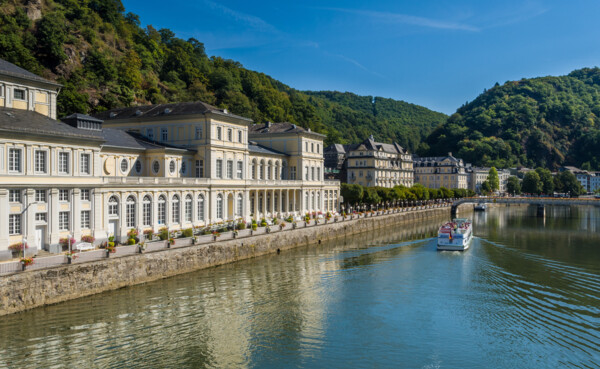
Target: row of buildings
{"type": "Point", "coordinates": [589, 180]}
{"type": "Point", "coordinates": [177, 165]}
{"type": "Point", "coordinates": [376, 164]}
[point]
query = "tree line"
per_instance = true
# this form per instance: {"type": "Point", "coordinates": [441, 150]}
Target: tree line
{"type": "Point", "coordinates": [357, 194]}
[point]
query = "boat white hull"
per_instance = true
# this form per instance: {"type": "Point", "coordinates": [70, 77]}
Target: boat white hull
{"type": "Point", "coordinates": [454, 244]}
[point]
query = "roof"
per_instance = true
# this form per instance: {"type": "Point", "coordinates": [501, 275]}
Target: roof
{"type": "Point", "coordinates": [9, 69]}
{"type": "Point", "coordinates": [77, 116]}
{"type": "Point", "coordinates": [163, 110]}
{"type": "Point", "coordinates": [437, 159]}
{"type": "Point", "coordinates": [131, 140]}
{"type": "Point", "coordinates": [371, 144]}
{"type": "Point", "coordinates": [252, 147]}
{"type": "Point", "coordinates": [25, 121]}
{"type": "Point", "coordinates": [339, 148]}
{"type": "Point", "coordinates": [283, 127]}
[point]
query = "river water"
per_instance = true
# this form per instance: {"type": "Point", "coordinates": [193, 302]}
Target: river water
{"type": "Point", "coordinates": [525, 295]}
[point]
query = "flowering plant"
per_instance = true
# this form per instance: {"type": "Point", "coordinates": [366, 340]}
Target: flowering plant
{"type": "Point", "coordinates": [88, 238]}
{"type": "Point", "coordinates": [172, 241]}
{"type": "Point", "coordinates": [110, 247]}
{"type": "Point", "coordinates": [307, 218]}
{"type": "Point", "coordinates": [65, 241]}
{"type": "Point", "coordinates": [328, 215]}
{"type": "Point", "coordinates": [27, 261]}
{"type": "Point", "coordinates": [17, 246]}
{"type": "Point", "coordinates": [133, 233]}
{"type": "Point", "coordinates": [281, 226]}
{"type": "Point", "coordinates": [216, 233]}
{"type": "Point", "coordinates": [71, 255]}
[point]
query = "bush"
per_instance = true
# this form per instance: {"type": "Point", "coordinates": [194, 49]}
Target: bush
{"type": "Point", "coordinates": [89, 239]}
{"type": "Point", "coordinates": [163, 234]}
{"type": "Point", "coordinates": [241, 225]}
{"type": "Point", "coordinates": [131, 241]}
{"type": "Point", "coordinates": [111, 244]}
{"type": "Point", "coordinates": [254, 226]}
{"type": "Point", "coordinates": [189, 232]}
{"type": "Point", "coordinates": [263, 222]}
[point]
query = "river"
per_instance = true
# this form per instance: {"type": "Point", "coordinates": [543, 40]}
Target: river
{"type": "Point", "coordinates": [525, 295]}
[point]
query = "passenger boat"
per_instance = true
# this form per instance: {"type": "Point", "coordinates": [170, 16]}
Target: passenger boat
{"type": "Point", "coordinates": [480, 207]}
{"type": "Point", "coordinates": [455, 235]}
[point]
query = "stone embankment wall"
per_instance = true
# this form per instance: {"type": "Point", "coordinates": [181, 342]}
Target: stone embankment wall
{"type": "Point", "coordinates": [36, 288]}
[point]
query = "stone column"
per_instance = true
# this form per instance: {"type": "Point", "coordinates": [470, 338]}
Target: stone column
{"type": "Point", "coordinates": [53, 216]}
{"type": "Point", "coordinates": [28, 218]}
{"type": "Point", "coordinates": [264, 212]}
{"type": "Point", "coordinates": [76, 214]}
{"type": "Point", "coordinates": [98, 213]}
{"type": "Point", "coordinates": [255, 204]}
{"type": "Point", "coordinates": [122, 218]}
{"type": "Point", "coordinates": [246, 209]}
{"type": "Point", "coordinates": [5, 253]}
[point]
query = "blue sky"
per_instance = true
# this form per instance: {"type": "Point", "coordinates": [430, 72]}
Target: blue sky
{"type": "Point", "coordinates": [438, 54]}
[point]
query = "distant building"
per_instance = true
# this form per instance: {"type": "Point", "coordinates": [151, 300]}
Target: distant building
{"type": "Point", "coordinates": [441, 171]}
{"type": "Point", "coordinates": [478, 175]}
{"type": "Point", "coordinates": [376, 164]}
{"type": "Point", "coordinates": [590, 181]}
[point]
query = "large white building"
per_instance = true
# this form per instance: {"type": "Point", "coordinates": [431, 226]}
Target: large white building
{"type": "Point", "coordinates": [170, 165]}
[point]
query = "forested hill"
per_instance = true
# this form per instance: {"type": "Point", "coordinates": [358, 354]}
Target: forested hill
{"type": "Point", "coordinates": [105, 59]}
{"type": "Point", "coordinates": [547, 122]}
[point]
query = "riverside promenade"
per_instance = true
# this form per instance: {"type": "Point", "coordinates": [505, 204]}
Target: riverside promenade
{"type": "Point", "coordinates": [54, 279]}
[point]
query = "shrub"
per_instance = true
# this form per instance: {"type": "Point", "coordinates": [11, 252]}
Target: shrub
{"type": "Point", "coordinates": [263, 222]}
{"type": "Point", "coordinates": [110, 244]}
{"type": "Point", "coordinates": [254, 226]}
{"type": "Point", "coordinates": [89, 239]}
{"type": "Point", "coordinates": [163, 234]}
{"type": "Point", "coordinates": [188, 232]}
{"type": "Point", "coordinates": [111, 238]}
{"type": "Point", "coordinates": [65, 241]}
{"type": "Point", "coordinates": [131, 241]}
{"type": "Point", "coordinates": [17, 246]}
{"type": "Point", "coordinates": [241, 225]}
{"type": "Point", "coordinates": [289, 219]}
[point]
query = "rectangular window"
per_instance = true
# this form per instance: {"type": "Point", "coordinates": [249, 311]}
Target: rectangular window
{"type": "Point", "coordinates": [306, 146]}
{"type": "Point", "coordinates": [229, 169]}
{"type": "Point", "coordinates": [312, 173]}
{"type": "Point", "coordinates": [63, 221]}
{"type": "Point", "coordinates": [293, 173]}
{"type": "Point", "coordinates": [240, 136]}
{"type": "Point", "coordinates": [230, 135]}
{"type": "Point", "coordinates": [19, 94]}
{"type": "Point", "coordinates": [318, 149]}
{"type": "Point", "coordinates": [219, 168]}
{"type": "Point", "coordinates": [219, 133]}
{"type": "Point", "coordinates": [40, 161]}
{"type": "Point", "coordinates": [41, 217]}
{"type": "Point", "coordinates": [85, 164]}
{"type": "Point", "coordinates": [85, 219]}
{"type": "Point", "coordinates": [306, 173]}
{"type": "Point", "coordinates": [14, 195]}
{"type": "Point", "coordinates": [318, 174]}
{"type": "Point", "coordinates": [312, 147]}
{"type": "Point", "coordinates": [40, 195]}
{"type": "Point", "coordinates": [14, 224]}
{"type": "Point", "coordinates": [198, 133]}
{"type": "Point", "coordinates": [63, 162]}
{"type": "Point", "coordinates": [199, 168]}
{"type": "Point", "coordinates": [240, 165]}
{"type": "Point", "coordinates": [85, 195]}
{"type": "Point", "coordinates": [63, 195]}
{"type": "Point", "coordinates": [150, 133]}
{"type": "Point", "coordinates": [14, 160]}
{"type": "Point", "coordinates": [164, 134]}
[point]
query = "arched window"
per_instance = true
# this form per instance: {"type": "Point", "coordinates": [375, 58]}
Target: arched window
{"type": "Point", "coordinates": [188, 208]}
{"type": "Point", "coordinates": [130, 211]}
{"type": "Point", "coordinates": [262, 170]}
{"type": "Point", "coordinates": [201, 207]}
{"type": "Point", "coordinates": [269, 169]}
{"type": "Point", "coordinates": [113, 206]}
{"type": "Point", "coordinates": [175, 207]}
{"type": "Point", "coordinates": [318, 200]}
{"type": "Point", "coordinates": [219, 206]}
{"type": "Point", "coordinates": [147, 210]}
{"type": "Point", "coordinates": [162, 209]}
{"type": "Point", "coordinates": [277, 174]}
{"type": "Point", "coordinates": [240, 206]}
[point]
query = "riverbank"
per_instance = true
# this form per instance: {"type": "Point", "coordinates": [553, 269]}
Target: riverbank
{"type": "Point", "coordinates": [35, 288]}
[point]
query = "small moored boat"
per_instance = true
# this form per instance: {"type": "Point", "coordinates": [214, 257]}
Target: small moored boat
{"type": "Point", "coordinates": [455, 235]}
{"type": "Point", "coordinates": [480, 207]}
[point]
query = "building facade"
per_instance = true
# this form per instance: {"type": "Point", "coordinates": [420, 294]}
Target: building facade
{"type": "Point", "coordinates": [376, 164]}
{"type": "Point", "coordinates": [478, 175]}
{"type": "Point", "coordinates": [443, 171]}
{"type": "Point", "coordinates": [175, 165]}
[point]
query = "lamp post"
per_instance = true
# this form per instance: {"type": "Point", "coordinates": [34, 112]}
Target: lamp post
{"type": "Point", "coordinates": [69, 241]}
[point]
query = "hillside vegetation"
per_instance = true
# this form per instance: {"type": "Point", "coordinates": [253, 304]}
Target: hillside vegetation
{"type": "Point", "coordinates": [539, 122]}
{"type": "Point", "coordinates": [105, 59]}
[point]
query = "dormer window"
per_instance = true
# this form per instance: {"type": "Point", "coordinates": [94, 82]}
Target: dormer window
{"type": "Point", "coordinates": [19, 94]}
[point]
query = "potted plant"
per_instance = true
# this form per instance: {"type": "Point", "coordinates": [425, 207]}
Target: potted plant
{"type": "Point", "coordinates": [141, 247]}
{"type": "Point", "coordinates": [70, 256]}
{"type": "Point", "coordinates": [148, 234]}
{"type": "Point", "coordinates": [17, 248]}
{"type": "Point", "coordinates": [268, 229]}
{"type": "Point", "coordinates": [294, 225]}
{"type": "Point", "coordinates": [216, 235]}
{"type": "Point", "coordinates": [171, 242]}
{"type": "Point", "coordinates": [25, 262]}
{"type": "Point", "coordinates": [281, 226]}
{"type": "Point", "coordinates": [110, 248]}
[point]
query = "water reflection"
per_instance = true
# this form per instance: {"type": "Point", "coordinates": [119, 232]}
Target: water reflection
{"type": "Point", "coordinates": [525, 295]}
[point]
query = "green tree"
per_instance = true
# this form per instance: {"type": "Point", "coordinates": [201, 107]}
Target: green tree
{"type": "Point", "coordinates": [352, 193]}
{"type": "Point", "coordinates": [513, 186]}
{"type": "Point", "coordinates": [493, 179]}
{"type": "Point", "coordinates": [566, 182]}
{"type": "Point", "coordinates": [532, 183]}
{"type": "Point", "coordinates": [486, 188]}
{"type": "Point", "coordinates": [546, 180]}
{"type": "Point", "coordinates": [51, 36]}
{"type": "Point", "coordinates": [371, 196]}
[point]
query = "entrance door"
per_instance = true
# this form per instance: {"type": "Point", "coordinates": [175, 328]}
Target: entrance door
{"type": "Point", "coordinates": [112, 228]}
{"type": "Point", "coordinates": [39, 237]}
